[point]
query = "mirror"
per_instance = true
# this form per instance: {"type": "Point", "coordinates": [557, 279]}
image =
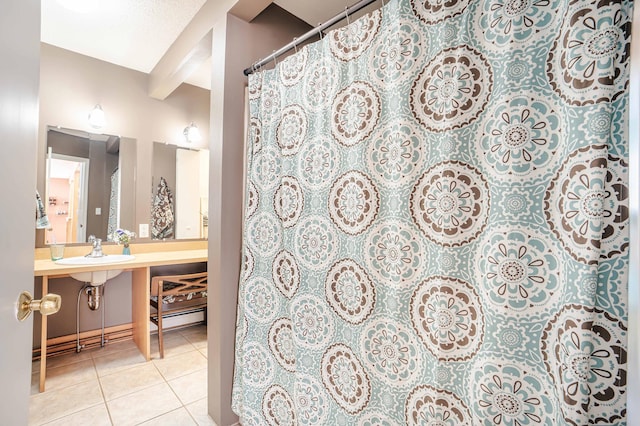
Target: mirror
{"type": "Point", "coordinates": [180, 190]}
{"type": "Point", "coordinates": [89, 185]}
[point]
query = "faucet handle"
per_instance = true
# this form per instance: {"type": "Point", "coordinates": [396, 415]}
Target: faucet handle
{"type": "Point", "coordinates": [91, 238]}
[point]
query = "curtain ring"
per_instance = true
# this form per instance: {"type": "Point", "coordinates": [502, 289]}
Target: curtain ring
{"type": "Point", "coordinates": [275, 62]}
{"type": "Point", "coordinates": [295, 46]}
{"type": "Point", "coordinates": [320, 30]}
{"type": "Point", "coordinates": [346, 13]}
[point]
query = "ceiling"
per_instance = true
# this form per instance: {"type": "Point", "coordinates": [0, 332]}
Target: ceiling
{"type": "Point", "coordinates": [137, 33]}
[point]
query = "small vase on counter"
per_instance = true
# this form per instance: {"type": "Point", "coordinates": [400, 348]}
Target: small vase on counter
{"type": "Point", "coordinates": [125, 249]}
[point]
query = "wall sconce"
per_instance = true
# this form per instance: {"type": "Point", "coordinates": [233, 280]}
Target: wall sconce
{"type": "Point", "coordinates": [96, 117]}
{"type": "Point", "coordinates": [192, 133]}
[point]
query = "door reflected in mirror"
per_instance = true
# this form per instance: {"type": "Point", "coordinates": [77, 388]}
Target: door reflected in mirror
{"type": "Point", "coordinates": [89, 185]}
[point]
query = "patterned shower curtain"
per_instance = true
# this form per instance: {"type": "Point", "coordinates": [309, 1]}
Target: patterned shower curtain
{"type": "Point", "coordinates": [437, 220]}
{"type": "Point", "coordinates": [114, 205]}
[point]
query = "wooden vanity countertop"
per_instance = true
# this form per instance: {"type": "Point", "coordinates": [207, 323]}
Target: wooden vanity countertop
{"type": "Point", "coordinates": [146, 255]}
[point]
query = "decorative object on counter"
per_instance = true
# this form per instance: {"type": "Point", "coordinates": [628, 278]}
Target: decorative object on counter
{"type": "Point", "coordinates": [162, 219]}
{"type": "Point", "coordinates": [124, 237]}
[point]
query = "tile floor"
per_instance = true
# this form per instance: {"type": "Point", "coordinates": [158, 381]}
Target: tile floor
{"type": "Point", "coordinates": [115, 386]}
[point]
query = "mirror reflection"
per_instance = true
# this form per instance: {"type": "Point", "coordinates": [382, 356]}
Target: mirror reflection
{"type": "Point", "coordinates": [89, 185]}
{"type": "Point", "coordinates": [180, 182]}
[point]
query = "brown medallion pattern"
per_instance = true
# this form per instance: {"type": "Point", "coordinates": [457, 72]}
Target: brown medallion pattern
{"type": "Point", "coordinates": [286, 274]}
{"type": "Point", "coordinates": [447, 315]}
{"type": "Point", "coordinates": [349, 291]}
{"type": "Point", "coordinates": [453, 90]}
{"type": "Point", "coordinates": [428, 405]}
{"type": "Point", "coordinates": [288, 201]}
{"type": "Point", "coordinates": [349, 42]}
{"type": "Point", "coordinates": [255, 86]}
{"type": "Point", "coordinates": [320, 84]}
{"type": "Point", "coordinates": [355, 112]}
{"type": "Point", "coordinates": [278, 408]}
{"type": "Point", "coordinates": [586, 205]}
{"type": "Point", "coordinates": [292, 130]}
{"type": "Point", "coordinates": [255, 134]}
{"type": "Point", "coordinates": [248, 263]}
{"type": "Point", "coordinates": [292, 69]}
{"type": "Point", "coordinates": [436, 11]}
{"type": "Point", "coordinates": [590, 58]}
{"type": "Point", "coordinates": [252, 201]}
{"type": "Point", "coordinates": [345, 379]}
{"type": "Point", "coordinates": [584, 351]}
{"type": "Point", "coordinates": [281, 343]}
{"type": "Point", "coordinates": [353, 202]}
{"type": "Point", "coordinates": [450, 203]}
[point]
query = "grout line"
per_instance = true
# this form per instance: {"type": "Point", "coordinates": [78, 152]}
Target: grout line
{"type": "Point", "coordinates": [94, 362]}
{"type": "Point", "coordinates": [104, 398]}
{"type": "Point", "coordinates": [49, 421]}
{"type": "Point", "coordinates": [193, 403]}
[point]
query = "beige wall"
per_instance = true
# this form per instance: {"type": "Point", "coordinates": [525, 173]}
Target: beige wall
{"type": "Point", "coordinates": [71, 84]}
{"type": "Point", "coordinates": [236, 44]}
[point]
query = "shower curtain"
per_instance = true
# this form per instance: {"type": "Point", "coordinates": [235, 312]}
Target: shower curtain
{"type": "Point", "coordinates": [114, 205]}
{"type": "Point", "coordinates": [436, 221]}
{"type": "Point", "coordinates": [162, 217]}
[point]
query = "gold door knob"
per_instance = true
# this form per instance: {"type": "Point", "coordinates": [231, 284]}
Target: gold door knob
{"type": "Point", "coordinates": [49, 304]}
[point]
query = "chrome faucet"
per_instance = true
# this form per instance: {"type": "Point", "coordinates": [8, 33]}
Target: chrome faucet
{"type": "Point", "coordinates": [96, 251]}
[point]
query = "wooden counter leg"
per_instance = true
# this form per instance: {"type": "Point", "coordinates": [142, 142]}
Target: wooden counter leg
{"type": "Point", "coordinates": [43, 337]}
{"type": "Point", "coordinates": [140, 294]}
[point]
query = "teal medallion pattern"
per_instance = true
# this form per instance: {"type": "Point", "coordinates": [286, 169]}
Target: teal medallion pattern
{"type": "Point", "coordinates": [436, 220]}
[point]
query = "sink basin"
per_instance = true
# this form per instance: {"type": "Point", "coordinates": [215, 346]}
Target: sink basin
{"type": "Point", "coordinates": [96, 278]}
{"type": "Point", "coordinates": [104, 260]}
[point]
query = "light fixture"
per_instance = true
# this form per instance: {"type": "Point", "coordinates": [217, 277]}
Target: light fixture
{"type": "Point", "coordinates": [192, 133]}
{"type": "Point", "coordinates": [96, 117]}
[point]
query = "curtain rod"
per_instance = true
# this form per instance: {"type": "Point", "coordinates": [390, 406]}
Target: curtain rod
{"type": "Point", "coordinates": [306, 36]}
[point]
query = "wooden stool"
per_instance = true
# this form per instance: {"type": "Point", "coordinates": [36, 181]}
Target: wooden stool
{"type": "Point", "coordinates": [176, 295]}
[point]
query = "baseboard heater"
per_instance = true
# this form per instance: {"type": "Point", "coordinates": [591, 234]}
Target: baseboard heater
{"type": "Point", "coordinates": [91, 339]}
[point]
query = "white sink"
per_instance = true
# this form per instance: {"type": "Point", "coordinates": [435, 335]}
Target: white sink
{"type": "Point", "coordinates": [107, 259]}
{"type": "Point", "coordinates": [96, 277]}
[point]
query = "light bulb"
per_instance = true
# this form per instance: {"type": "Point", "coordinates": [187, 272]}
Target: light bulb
{"type": "Point", "coordinates": [96, 117]}
{"type": "Point", "coordinates": [192, 133]}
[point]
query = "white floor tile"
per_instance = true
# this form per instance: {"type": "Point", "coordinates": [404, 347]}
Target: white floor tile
{"type": "Point", "coordinates": [71, 358]}
{"type": "Point", "coordinates": [190, 388]}
{"type": "Point", "coordinates": [197, 335]}
{"type": "Point", "coordinates": [143, 405]}
{"type": "Point", "coordinates": [94, 416]}
{"type": "Point", "coordinates": [118, 361]}
{"type": "Point", "coordinates": [115, 385]}
{"type": "Point", "coordinates": [130, 380]}
{"type": "Point", "coordinates": [179, 417]}
{"type": "Point", "coordinates": [199, 411]}
{"type": "Point", "coordinates": [69, 374]}
{"type": "Point", "coordinates": [174, 344]}
{"type": "Point", "coordinates": [52, 405]}
{"type": "Point", "coordinates": [181, 365]}
{"type": "Point", "coordinates": [111, 348]}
